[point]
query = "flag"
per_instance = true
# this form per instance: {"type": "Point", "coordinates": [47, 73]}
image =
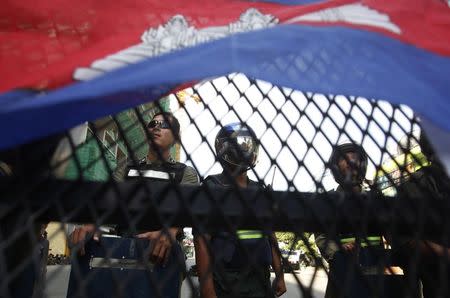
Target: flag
{"type": "Point", "coordinates": [66, 62]}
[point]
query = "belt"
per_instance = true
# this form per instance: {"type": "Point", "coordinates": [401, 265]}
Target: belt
{"type": "Point", "coordinates": [365, 242]}
{"type": "Point", "coordinates": [249, 234]}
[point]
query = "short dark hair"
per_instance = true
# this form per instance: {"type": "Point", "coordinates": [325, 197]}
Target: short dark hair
{"type": "Point", "coordinates": [175, 125]}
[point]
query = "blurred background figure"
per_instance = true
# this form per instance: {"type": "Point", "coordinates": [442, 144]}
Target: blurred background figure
{"type": "Point", "coordinates": [426, 257]}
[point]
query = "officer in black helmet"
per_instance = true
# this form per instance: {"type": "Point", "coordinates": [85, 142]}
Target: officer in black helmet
{"type": "Point", "coordinates": [347, 254]}
{"type": "Point", "coordinates": [237, 265]}
{"type": "Point", "coordinates": [348, 164]}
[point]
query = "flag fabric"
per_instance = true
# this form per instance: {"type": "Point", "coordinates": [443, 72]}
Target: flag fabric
{"type": "Point", "coordinates": [66, 62]}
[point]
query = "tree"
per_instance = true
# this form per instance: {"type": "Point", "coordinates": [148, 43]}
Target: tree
{"type": "Point", "coordinates": [303, 242]}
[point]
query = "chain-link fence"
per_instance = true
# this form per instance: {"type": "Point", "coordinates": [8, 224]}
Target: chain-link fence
{"type": "Point", "coordinates": [348, 199]}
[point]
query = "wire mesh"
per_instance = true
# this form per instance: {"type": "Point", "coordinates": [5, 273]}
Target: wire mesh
{"type": "Point", "coordinates": [84, 216]}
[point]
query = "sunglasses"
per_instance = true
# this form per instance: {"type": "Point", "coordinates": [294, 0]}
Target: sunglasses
{"type": "Point", "coordinates": [163, 124]}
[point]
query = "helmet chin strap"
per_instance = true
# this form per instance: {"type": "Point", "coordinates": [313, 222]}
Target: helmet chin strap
{"type": "Point", "coordinates": [348, 183]}
{"type": "Point", "coordinates": [224, 149]}
{"type": "Point", "coordinates": [352, 183]}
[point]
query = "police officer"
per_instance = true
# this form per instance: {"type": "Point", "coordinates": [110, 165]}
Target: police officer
{"type": "Point", "coordinates": [426, 258]}
{"type": "Point", "coordinates": [237, 265]}
{"type": "Point", "coordinates": [346, 252]}
{"type": "Point", "coordinates": [164, 132]}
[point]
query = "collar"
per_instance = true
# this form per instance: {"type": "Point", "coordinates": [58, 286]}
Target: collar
{"type": "Point", "coordinates": [225, 181]}
{"type": "Point", "coordinates": [170, 160]}
{"type": "Point", "coordinates": [364, 188]}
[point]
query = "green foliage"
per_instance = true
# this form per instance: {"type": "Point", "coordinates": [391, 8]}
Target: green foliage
{"type": "Point", "coordinates": [297, 242]}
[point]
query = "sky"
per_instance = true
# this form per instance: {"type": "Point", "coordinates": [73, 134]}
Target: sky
{"type": "Point", "coordinates": [286, 121]}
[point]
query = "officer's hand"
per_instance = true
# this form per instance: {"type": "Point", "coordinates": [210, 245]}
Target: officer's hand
{"type": "Point", "coordinates": [81, 234]}
{"type": "Point", "coordinates": [161, 244]}
{"type": "Point", "coordinates": [279, 286]}
{"type": "Point", "coordinates": [348, 247]}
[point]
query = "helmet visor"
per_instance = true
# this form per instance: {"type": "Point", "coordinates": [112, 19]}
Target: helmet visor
{"type": "Point", "coordinates": [238, 146]}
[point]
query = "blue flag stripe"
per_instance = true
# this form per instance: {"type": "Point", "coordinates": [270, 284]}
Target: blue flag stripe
{"type": "Point", "coordinates": [329, 60]}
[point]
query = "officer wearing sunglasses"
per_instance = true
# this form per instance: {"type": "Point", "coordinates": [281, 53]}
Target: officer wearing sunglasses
{"type": "Point", "coordinates": [164, 124]}
{"type": "Point", "coordinates": [163, 131]}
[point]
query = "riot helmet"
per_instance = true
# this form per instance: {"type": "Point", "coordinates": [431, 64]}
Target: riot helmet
{"type": "Point", "coordinates": [237, 146]}
{"type": "Point", "coordinates": [357, 174]}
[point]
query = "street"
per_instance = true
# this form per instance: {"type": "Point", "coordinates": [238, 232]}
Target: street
{"type": "Point", "coordinates": [58, 276]}
{"type": "Point", "coordinates": [293, 289]}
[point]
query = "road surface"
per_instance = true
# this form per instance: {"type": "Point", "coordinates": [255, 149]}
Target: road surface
{"type": "Point", "coordinates": [58, 276]}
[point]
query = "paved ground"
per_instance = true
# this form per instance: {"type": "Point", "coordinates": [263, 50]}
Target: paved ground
{"type": "Point", "coordinates": [57, 279]}
{"type": "Point", "coordinates": [293, 288]}
{"type": "Point", "coordinates": [304, 276]}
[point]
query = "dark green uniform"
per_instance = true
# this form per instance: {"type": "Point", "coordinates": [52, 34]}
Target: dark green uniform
{"type": "Point", "coordinates": [348, 271]}
{"type": "Point", "coordinates": [429, 183]}
{"type": "Point", "coordinates": [168, 277]}
{"type": "Point", "coordinates": [241, 259]}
